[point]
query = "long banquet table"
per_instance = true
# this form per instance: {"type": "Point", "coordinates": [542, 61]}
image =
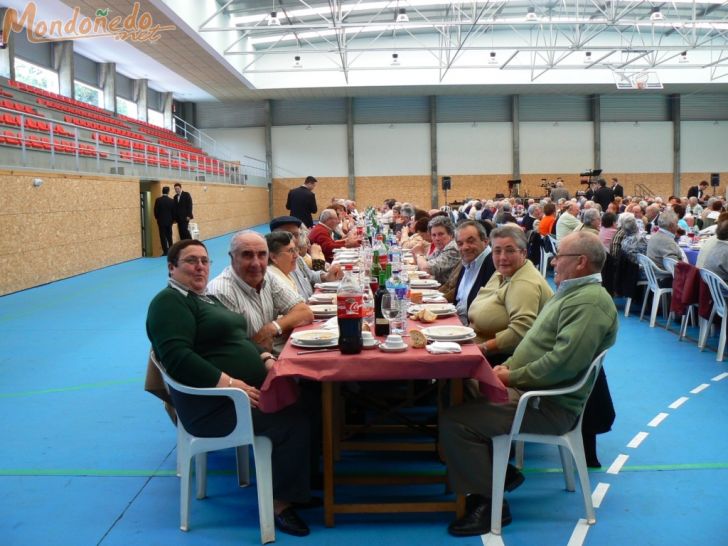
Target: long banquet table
{"type": "Point", "coordinates": [331, 368]}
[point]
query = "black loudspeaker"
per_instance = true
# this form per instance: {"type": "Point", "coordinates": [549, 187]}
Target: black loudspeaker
{"type": "Point", "coordinates": [714, 179]}
{"type": "Point", "coordinates": [446, 183]}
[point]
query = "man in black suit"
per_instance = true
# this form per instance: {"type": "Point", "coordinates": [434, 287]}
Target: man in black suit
{"type": "Point", "coordinates": [474, 270]}
{"type": "Point", "coordinates": [302, 201]}
{"type": "Point", "coordinates": [182, 211]}
{"type": "Point", "coordinates": [164, 213]}
{"type": "Point", "coordinates": [617, 188]}
{"type": "Point", "coordinates": [604, 195]}
{"type": "Point", "coordinates": [699, 191]}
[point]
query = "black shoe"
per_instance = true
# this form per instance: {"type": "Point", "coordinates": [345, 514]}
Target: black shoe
{"type": "Point", "coordinates": [593, 463]}
{"type": "Point", "coordinates": [313, 502]}
{"type": "Point", "coordinates": [291, 523]}
{"type": "Point", "coordinates": [514, 478]}
{"type": "Point", "coordinates": [477, 520]}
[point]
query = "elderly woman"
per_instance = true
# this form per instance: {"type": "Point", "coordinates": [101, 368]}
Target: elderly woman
{"type": "Point", "coordinates": [203, 344]}
{"type": "Point", "coordinates": [591, 221]}
{"type": "Point", "coordinates": [506, 307]}
{"type": "Point", "coordinates": [546, 225]}
{"type": "Point", "coordinates": [283, 257]}
{"type": "Point", "coordinates": [634, 241]}
{"type": "Point", "coordinates": [608, 229]}
{"type": "Point", "coordinates": [445, 257]}
{"type": "Point", "coordinates": [419, 234]}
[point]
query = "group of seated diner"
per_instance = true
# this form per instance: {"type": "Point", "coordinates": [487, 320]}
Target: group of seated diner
{"type": "Point", "coordinates": [229, 330]}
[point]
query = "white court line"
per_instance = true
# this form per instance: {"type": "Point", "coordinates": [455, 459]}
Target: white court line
{"type": "Point", "coordinates": [699, 388]}
{"type": "Point", "coordinates": [598, 495]}
{"type": "Point", "coordinates": [492, 540]}
{"type": "Point", "coordinates": [617, 464]}
{"type": "Point", "coordinates": [659, 418]}
{"type": "Point", "coordinates": [579, 534]}
{"type": "Point", "coordinates": [679, 402]}
{"type": "Point", "coordinates": [720, 376]}
{"type": "Point", "coordinates": [637, 440]}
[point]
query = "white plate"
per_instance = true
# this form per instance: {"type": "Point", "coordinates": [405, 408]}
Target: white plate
{"type": "Point", "coordinates": [447, 333]}
{"type": "Point", "coordinates": [323, 310]}
{"type": "Point", "coordinates": [332, 343]}
{"type": "Point", "coordinates": [429, 292]}
{"type": "Point", "coordinates": [457, 339]}
{"type": "Point", "coordinates": [313, 338]}
{"type": "Point", "coordinates": [323, 298]}
{"type": "Point", "coordinates": [440, 309]}
{"type": "Point", "coordinates": [332, 286]}
{"type": "Point", "coordinates": [424, 283]}
{"type": "Point", "coordinates": [398, 349]}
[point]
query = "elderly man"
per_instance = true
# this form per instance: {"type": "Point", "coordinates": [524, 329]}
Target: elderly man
{"type": "Point", "coordinates": [577, 324]}
{"type": "Point", "coordinates": [322, 234]}
{"type": "Point", "coordinates": [559, 192]}
{"type": "Point", "coordinates": [445, 257]}
{"type": "Point", "coordinates": [662, 243]}
{"type": "Point", "coordinates": [535, 212]}
{"type": "Point", "coordinates": [304, 276]}
{"type": "Point", "coordinates": [271, 308]}
{"type": "Point", "coordinates": [568, 221]}
{"type": "Point", "coordinates": [474, 270]}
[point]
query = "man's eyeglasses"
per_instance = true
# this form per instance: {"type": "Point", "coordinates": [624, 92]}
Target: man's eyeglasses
{"type": "Point", "coordinates": [193, 260]}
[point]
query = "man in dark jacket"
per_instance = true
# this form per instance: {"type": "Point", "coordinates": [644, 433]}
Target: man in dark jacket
{"type": "Point", "coordinates": [474, 270]}
{"type": "Point", "coordinates": [302, 201]}
{"type": "Point", "coordinates": [617, 188]}
{"type": "Point", "coordinates": [699, 191]}
{"type": "Point", "coordinates": [164, 209]}
{"type": "Point", "coordinates": [183, 211]}
{"type": "Point", "coordinates": [604, 195]}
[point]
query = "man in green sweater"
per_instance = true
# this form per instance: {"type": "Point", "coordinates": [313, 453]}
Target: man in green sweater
{"type": "Point", "coordinates": [577, 324]}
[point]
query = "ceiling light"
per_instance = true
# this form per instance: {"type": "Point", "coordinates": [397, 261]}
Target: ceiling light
{"type": "Point", "coordinates": [683, 57]}
{"type": "Point", "coordinates": [531, 15]}
{"type": "Point", "coordinates": [273, 20]}
{"type": "Point", "coordinates": [395, 59]}
{"type": "Point", "coordinates": [587, 57]}
{"type": "Point", "coordinates": [402, 16]}
{"type": "Point", "coordinates": [656, 15]}
{"type": "Point", "coordinates": [297, 62]}
{"type": "Point", "coordinates": [492, 60]}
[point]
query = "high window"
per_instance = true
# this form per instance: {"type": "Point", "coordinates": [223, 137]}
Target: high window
{"type": "Point", "coordinates": [88, 94]}
{"type": "Point", "coordinates": [126, 107]}
{"type": "Point", "coordinates": [155, 117]}
{"type": "Point", "coordinates": [35, 75]}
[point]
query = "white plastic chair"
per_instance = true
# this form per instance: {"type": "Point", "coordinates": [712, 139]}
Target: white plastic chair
{"type": "Point", "coordinates": [654, 274]}
{"type": "Point", "coordinates": [570, 443]}
{"type": "Point", "coordinates": [189, 446]}
{"type": "Point", "coordinates": [719, 293]}
{"type": "Point", "coordinates": [670, 264]}
{"type": "Point", "coordinates": [553, 246]}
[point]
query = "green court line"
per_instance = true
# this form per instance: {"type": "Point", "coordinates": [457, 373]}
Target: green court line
{"type": "Point", "coordinates": [116, 473]}
{"type": "Point", "coordinates": [81, 387]}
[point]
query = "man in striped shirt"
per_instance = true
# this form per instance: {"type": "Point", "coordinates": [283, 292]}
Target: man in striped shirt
{"type": "Point", "coordinates": [271, 308]}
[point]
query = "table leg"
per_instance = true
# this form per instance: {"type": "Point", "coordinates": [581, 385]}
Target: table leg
{"type": "Point", "coordinates": [327, 412]}
{"type": "Point", "coordinates": [456, 398]}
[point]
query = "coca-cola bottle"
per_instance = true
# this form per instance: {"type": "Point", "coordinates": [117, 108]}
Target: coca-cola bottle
{"type": "Point", "coordinates": [349, 313]}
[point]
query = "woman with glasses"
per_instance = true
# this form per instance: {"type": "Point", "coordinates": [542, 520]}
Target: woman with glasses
{"type": "Point", "coordinates": [201, 343]}
{"type": "Point", "coordinates": [507, 306]}
{"type": "Point", "coordinates": [283, 257]}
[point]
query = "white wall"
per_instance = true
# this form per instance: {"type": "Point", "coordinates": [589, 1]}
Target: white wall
{"type": "Point", "coordinates": [474, 148]}
{"type": "Point", "coordinates": [392, 150]}
{"type": "Point", "coordinates": [637, 147]}
{"type": "Point", "coordinates": [556, 147]}
{"type": "Point", "coordinates": [246, 145]}
{"type": "Point", "coordinates": [704, 146]}
{"type": "Point", "coordinates": [302, 150]}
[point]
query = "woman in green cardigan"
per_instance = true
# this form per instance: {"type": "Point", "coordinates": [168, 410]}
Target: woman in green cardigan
{"type": "Point", "coordinates": [203, 344]}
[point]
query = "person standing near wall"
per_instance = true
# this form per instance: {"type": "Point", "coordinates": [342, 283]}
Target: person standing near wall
{"type": "Point", "coordinates": [183, 211]}
{"type": "Point", "coordinates": [302, 201]}
{"type": "Point", "coordinates": [164, 213]}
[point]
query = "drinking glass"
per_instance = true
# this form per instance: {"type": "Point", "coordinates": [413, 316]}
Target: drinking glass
{"type": "Point", "coordinates": [391, 311]}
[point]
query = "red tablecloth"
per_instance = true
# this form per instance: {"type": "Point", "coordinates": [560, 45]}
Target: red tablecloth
{"type": "Point", "coordinates": [279, 389]}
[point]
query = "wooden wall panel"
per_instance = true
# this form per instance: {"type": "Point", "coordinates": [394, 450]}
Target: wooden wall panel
{"type": "Point", "coordinates": [69, 225]}
{"type": "Point", "coordinates": [373, 190]}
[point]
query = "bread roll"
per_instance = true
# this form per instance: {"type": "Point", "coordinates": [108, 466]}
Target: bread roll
{"type": "Point", "coordinates": [418, 339]}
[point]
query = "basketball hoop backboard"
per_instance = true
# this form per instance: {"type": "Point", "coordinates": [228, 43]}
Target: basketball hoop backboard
{"type": "Point", "coordinates": [642, 80]}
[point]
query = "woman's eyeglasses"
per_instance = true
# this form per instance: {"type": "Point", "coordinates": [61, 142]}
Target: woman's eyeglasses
{"type": "Point", "coordinates": [193, 260]}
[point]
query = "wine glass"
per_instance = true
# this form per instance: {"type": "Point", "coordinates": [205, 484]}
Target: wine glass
{"type": "Point", "coordinates": [391, 311]}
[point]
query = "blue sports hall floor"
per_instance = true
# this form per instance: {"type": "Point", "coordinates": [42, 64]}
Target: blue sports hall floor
{"type": "Point", "coordinates": [89, 458]}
